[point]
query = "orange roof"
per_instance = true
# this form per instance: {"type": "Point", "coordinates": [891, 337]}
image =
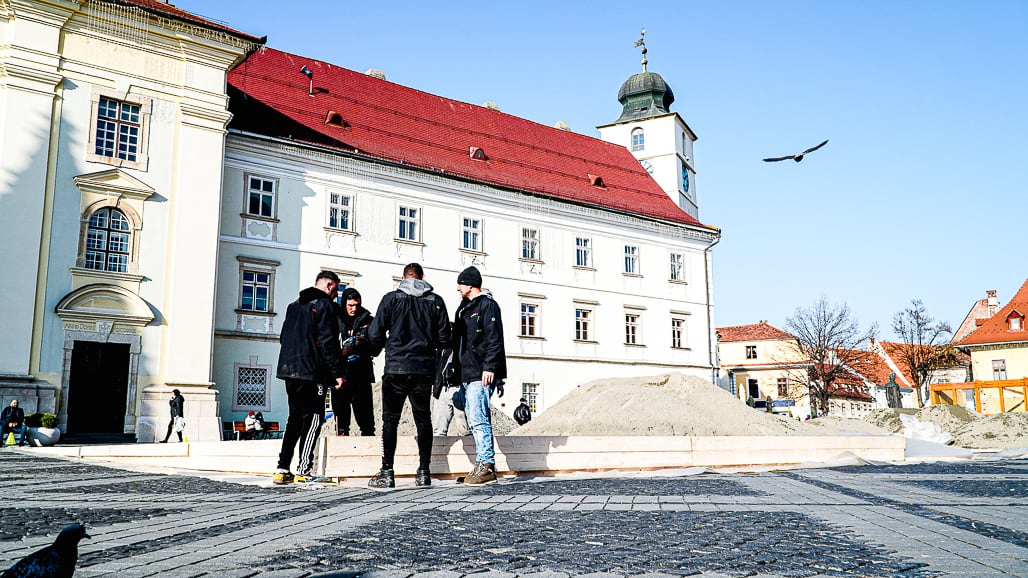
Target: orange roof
{"type": "Point", "coordinates": [161, 8]}
{"type": "Point", "coordinates": [997, 328]}
{"type": "Point", "coordinates": [870, 366]}
{"type": "Point", "coordinates": [762, 331]}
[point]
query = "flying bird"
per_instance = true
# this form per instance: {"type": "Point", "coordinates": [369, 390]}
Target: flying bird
{"type": "Point", "coordinates": [798, 157]}
{"type": "Point", "coordinates": [54, 561]}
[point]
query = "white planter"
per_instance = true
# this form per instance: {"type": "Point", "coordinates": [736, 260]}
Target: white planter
{"type": "Point", "coordinates": [43, 436]}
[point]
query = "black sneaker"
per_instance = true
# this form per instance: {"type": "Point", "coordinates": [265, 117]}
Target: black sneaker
{"type": "Point", "coordinates": [383, 480]}
{"type": "Point", "coordinates": [423, 478]}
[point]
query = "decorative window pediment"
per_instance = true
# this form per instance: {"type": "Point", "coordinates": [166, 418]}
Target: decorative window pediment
{"type": "Point", "coordinates": [114, 181]}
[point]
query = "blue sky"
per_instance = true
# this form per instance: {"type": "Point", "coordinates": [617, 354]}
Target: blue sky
{"type": "Point", "coordinates": [920, 194]}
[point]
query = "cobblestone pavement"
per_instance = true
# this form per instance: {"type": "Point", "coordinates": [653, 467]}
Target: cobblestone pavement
{"type": "Point", "coordinates": [921, 520]}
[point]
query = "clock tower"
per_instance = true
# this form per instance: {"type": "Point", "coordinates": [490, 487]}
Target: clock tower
{"type": "Point", "coordinates": [659, 138]}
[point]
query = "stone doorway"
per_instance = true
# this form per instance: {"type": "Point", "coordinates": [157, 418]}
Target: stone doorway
{"type": "Point", "coordinates": [98, 388]}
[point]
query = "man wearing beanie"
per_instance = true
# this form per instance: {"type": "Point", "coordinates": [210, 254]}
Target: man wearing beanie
{"type": "Point", "coordinates": [354, 320]}
{"type": "Point", "coordinates": [412, 325]}
{"type": "Point", "coordinates": [478, 341]}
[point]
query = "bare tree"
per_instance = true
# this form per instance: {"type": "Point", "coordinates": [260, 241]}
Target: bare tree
{"type": "Point", "coordinates": [829, 337]}
{"type": "Point", "coordinates": [922, 349]}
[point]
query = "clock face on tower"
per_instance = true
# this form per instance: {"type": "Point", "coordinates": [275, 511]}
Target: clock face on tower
{"type": "Point", "coordinates": [685, 178]}
{"type": "Point", "coordinates": [646, 165]}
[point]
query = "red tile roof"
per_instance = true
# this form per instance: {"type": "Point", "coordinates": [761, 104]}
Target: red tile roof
{"type": "Point", "coordinates": [997, 329]}
{"type": "Point", "coordinates": [762, 331]}
{"type": "Point", "coordinates": [870, 366]}
{"type": "Point", "coordinates": [386, 121]}
{"type": "Point", "coordinates": [164, 9]}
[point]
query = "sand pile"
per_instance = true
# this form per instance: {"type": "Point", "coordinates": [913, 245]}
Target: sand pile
{"type": "Point", "coordinates": [999, 431]}
{"type": "Point", "coordinates": [670, 404]}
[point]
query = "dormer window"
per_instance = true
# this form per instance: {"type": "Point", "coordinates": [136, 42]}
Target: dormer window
{"type": "Point", "coordinates": [597, 181]}
{"type": "Point", "coordinates": [335, 119]}
{"type": "Point", "coordinates": [477, 154]}
{"type": "Point", "coordinates": [1015, 321]}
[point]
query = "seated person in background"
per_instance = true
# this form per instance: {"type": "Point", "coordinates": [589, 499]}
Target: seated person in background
{"type": "Point", "coordinates": [253, 427]}
{"type": "Point", "coordinates": [262, 429]}
{"type": "Point", "coordinates": [13, 420]}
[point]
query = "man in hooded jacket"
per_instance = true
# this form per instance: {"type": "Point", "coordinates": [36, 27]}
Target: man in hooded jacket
{"type": "Point", "coordinates": [354, 320]}
{"type": "Point", "coordinates": [310, 356]}
{"type": "Point", "coordinates": [412, 324]}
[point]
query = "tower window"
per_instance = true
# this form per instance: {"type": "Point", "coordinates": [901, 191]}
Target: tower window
{"type": "Point", "coordinates": [638, 139]}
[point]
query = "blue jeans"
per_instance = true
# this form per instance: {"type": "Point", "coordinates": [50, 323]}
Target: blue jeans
{"type": "Point", "coordinates": [476, 408]}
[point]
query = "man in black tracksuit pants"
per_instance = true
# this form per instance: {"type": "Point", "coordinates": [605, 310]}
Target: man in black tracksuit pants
{"type": "Point", "coordinates": [310, 356]}
{"type": "Point", "coordinates": [360, 370]}
{"type": "Point", "coordinates": [417, 325]}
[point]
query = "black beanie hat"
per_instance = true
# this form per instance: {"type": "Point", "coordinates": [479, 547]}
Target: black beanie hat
{"type": "Point", "coordinates": [351, 293]}
{"type": "Point", "coordinates": [470, 277]}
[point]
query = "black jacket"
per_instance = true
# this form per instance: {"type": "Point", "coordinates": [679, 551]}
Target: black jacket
{"type": "Point", "coordinates": [359, 366]}
{"type": "Point", "coordinates": [478, 338]}
{"type": "Point", "coordinates": [523, 414]}
{"type": "Point", "coordinates": [176, 404]}
{"type": "Point", "coordinates": [310, 348]}
{"type": "Point", "coordinates": [417, 324]}
{"type": "Point", "coordinates": [12, 414]}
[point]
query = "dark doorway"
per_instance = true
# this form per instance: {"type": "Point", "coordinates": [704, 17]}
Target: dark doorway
{"type": "Point", "coordinates": [753, 388]}
{"type": "Point", "coordinates": [98, 387]}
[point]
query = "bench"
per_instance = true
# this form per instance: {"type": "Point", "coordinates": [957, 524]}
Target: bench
{"type": "Point", "coordinates": [235, 430]}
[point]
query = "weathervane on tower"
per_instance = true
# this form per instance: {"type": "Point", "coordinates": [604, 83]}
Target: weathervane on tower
{"type": "Point", "coordinates": [642, 42]}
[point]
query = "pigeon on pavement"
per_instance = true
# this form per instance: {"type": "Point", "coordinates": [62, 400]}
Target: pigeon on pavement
{"type": "Point", "coordinates": [54, 561]}
{"type": "Point", "coordinates": [798, 157]}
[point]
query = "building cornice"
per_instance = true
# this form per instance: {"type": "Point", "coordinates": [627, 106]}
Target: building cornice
{"type": "Point", "coordinates": [331, 159]}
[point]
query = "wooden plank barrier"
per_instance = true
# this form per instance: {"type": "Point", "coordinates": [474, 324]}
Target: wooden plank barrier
{"type": "Point", "coordinates": [990, 397]}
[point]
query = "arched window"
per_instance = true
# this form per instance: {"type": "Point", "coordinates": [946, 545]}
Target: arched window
{"type": "Point", "coordinates": [638, 139]}
{"type": "Point", "coordinates": [108, 241]}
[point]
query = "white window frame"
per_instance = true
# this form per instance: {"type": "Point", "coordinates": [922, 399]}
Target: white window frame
{"type": "Point", "coordinates": [142, 125]}
{"type": "Point", "coordinates": [408, 223]}
{"type": "Point", "coordinates": [531, 392]}
{"type": "Point", "coordinates": [584, 323]}
{"type": "Point", "coordinates": [751, 349]}
{"type": "Point", "coordinates": [342, 208]}
{"type": "Point", "coordinates": [252, 366]}
{"type": "Point", "coordinates": [584, 252]}
{"type": "Point", "coordinates": [632, 260]}
{"type": "Point", "coordinates": [471, 237]}
{"type": "Point", "coordinates": [261, 192]}
{"type": "Point", "coordinates": [633, 328]}
{"type": "Point", "coordinates": [780, 382]}
{"type": "Point", "coordinates": [530, 244]}
{"type": "Point", "coordinates": [679, 333]}
{"type": "Point", "coordinates": [113, 244]}
{"type": "Point", "coordinates": [676, 262]}
{"type": "Point", "coordinates": [256, 267]}
{"type": "Point", "coordinates": [638, 139]}
{"type": "Point", "coordinates": [531, 328]}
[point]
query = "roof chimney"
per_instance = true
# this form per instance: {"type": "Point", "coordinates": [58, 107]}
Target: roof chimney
{"type": "Point", "coordinates": [992, 301]}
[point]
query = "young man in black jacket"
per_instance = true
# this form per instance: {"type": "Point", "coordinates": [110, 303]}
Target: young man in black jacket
{"type": "Point", "coordinates": [310, 356]}
{"type": "Point", "coordinates": [360, 370]}
{"type": "Point", "coordinates": [412, 324]}
{"type": "Point", "coordinates": [478, 341]}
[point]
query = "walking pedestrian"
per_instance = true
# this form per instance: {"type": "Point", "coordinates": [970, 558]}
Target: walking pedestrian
{"type": "Point", "coordinates": [310, 354]}
{"type": "Point", "coordinates": [178, 416]}
{"type": "Point", "coordinates": [354, 320]}
{"type": "Point", "coordinates": [478, 341]}
{"type": "Point", "coordinates": [412, 325]}
{"type": "Point", "coordinates": [523, 413]}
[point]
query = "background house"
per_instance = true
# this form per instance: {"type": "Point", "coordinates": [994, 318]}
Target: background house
{"type": "Point", "coordinates": [760, 361]}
